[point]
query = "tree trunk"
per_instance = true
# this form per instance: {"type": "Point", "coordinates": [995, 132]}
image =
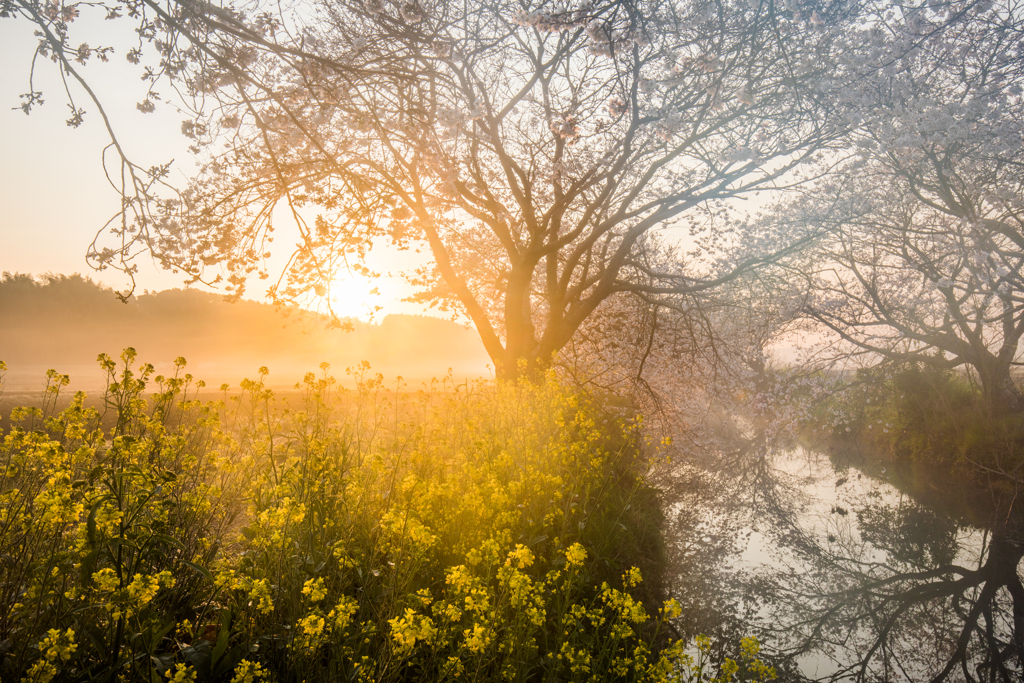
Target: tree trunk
{"type": "Point", "coordinates": [1001, 394]}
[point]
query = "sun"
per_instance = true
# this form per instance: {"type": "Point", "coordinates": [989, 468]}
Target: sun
{"type": "Point", "coordinates": [354, 296]}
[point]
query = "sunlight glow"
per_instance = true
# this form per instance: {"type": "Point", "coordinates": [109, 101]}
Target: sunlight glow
{"type": "Point", "coordinates": [355, 296]}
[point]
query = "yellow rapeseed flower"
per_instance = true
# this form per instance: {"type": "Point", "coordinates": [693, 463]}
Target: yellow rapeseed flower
{"type": "Point", "coordinates": [249, 672]}
{"type": "Point", "coordinates": [105, 579]}
{"type": "Point", "coordinates": [309, 632]}
{"type": "Point", "coordinates": [477, 638]}
{"type": "Point", "coordinates": [314, 590]}
{"type": "Point", "coordinates": [342, 613]}
{"type": "Point", "coordinates": [575, 555]}
{"type": "Point", "coordinates": [632, 577]}
{"type": "Point", "coordinates": [183, 673]}
{"type": "Point", "coordinates": [408, 629]}
{"type": "Point", "coordinates": [673, 609]}
{"type": "Point", "coordinates": [520, 558]}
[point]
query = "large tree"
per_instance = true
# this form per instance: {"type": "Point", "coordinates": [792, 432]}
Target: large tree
{"type": "Point", "coordinates": [531, 150]}
{"type": "Point", "coordinates": [925, 227]}
{"type": "Point", "coordinates": [531, 147]}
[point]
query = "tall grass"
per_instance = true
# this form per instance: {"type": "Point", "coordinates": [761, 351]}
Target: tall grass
{"type": "Point", "coordinates": [472, 532]}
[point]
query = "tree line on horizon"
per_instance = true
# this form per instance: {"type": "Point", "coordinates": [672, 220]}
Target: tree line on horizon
{"type": "Point", "coordinates": [224, 342]}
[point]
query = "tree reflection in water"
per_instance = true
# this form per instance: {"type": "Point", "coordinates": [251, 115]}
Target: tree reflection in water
{"type": "Point", "coordinates": [851, 579]}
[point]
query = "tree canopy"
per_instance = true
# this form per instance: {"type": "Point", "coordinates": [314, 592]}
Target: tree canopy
{"type": "Point", "coordinates": [539, 152]}
{"type": "Point", "coordinates": [534, 149]}
{"type": "Point", "coordinates": [925, 229]}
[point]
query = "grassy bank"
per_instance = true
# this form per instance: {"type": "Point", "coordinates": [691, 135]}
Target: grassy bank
{"type": "Point", "coordinates": [933, 428]}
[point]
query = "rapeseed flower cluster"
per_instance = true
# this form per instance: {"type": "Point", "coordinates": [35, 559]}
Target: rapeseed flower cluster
{"type": "Point", "coordinates": [314, 590]}
{"type": "Point", "coordinates": [56, 647]}
{"type": "Point", "coordinates": [249, 672]}
{"type": "Point", "coordinates": [363, 534]}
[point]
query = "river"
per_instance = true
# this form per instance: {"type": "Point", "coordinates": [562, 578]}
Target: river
{"type": "Point", "coordinates": [851, 568]}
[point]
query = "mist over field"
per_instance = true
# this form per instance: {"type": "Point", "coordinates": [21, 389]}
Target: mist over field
{"type": "Point", "coordinates": [65, 321]}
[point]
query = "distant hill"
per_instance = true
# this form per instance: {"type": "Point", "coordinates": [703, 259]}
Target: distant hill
{"type": "Point", "coordinates": [65, 321]}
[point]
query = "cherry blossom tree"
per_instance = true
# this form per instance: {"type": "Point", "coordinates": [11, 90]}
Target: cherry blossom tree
{"type": "Point", "coordinates": [529, 147]}
{"type": "Point", "coordinates": [926, 238]}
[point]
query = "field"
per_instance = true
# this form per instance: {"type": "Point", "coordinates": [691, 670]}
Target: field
{"type": "Point", "coordinates": [470, 532]}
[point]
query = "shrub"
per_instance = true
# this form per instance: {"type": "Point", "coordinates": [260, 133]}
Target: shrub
{"type": "Point", "coordinates": [930, 415]}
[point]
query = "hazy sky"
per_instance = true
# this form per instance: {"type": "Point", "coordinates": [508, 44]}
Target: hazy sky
{"type": "Point", "coordinates": [53, 193]}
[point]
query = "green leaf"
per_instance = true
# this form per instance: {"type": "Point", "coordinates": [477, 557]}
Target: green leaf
{"type": "Point", "coordinates": [222, 635]}
{"type": "Point", "coordinates": [90, 523]}
{"type": "Point", "coordinates": [169, 540]}
{"type": "Point", "coordinates": [230, 661]}
{"type": "Point", "coordinates": [201, 570]}
{"type": "Point", "coordinates": [159, 635]}
{"type": "Point", "coordinates": [198, 657]}
{"type": "Point", "coordinates": [88, 567]}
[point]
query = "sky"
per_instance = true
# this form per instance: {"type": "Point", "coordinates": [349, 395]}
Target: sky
{"type": "Point", "coordinates": [53, 192]}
